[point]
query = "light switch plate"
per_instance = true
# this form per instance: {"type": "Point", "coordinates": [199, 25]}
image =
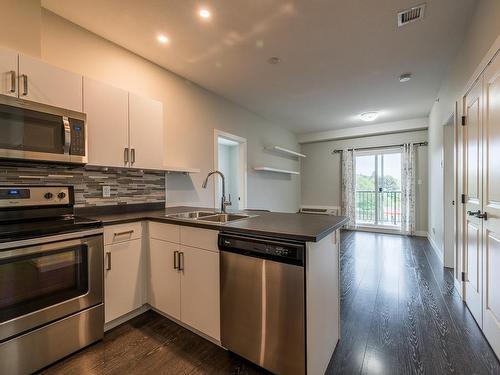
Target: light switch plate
{"type": "Point", "coordinates": [106, 191]}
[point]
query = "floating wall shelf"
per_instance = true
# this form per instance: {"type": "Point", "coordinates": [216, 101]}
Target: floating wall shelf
{"type": "Point", "coordinates": [275, 170]}
{"type": "Point", "coordinates": [182, 170]}
{"type": "Point", "coordinates": [286, 151]}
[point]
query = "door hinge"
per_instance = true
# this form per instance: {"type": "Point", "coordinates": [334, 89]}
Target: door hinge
{"type": "Point", "coordinates": [464, 120]}
{"type": "Point", "coordinates": [463, 198]}
{"type": "Point", "coordinates": [463, 277]}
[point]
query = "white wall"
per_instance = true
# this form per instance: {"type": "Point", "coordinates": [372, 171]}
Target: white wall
{"type": "Point", "coordinates": [321, 175]}
{"type": "Point", "coordinates": [484, 29]}
{"type": "Point", "coordinates": [190, 112]}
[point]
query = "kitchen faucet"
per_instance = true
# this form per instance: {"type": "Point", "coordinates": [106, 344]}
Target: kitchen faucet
{"type": "Point", "coordinates": [224, 202]}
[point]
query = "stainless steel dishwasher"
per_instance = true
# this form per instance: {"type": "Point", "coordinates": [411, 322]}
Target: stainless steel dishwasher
{"type": "Point", "coordinates": [263, 301]}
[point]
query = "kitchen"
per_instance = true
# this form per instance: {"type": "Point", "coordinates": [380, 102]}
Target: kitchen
{"type": "Point", "coordinates": [118, 202]}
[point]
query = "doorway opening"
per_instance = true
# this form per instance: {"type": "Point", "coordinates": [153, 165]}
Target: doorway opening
{"type": "Point", "coordinates": [231, 159]}
{"type": "Point", "coordinates": [378, 189]}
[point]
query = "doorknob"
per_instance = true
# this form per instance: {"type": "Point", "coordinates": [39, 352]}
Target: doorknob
{"type": "Point", "coordinates": [474, 213]}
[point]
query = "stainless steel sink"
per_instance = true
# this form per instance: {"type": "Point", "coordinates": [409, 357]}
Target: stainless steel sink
{"type": "Point", "coordinates": [191, 215]}
{"type": "Point", "coordinates": [207, 216]}
{"type": "Point", "coordinates": [224, 218]}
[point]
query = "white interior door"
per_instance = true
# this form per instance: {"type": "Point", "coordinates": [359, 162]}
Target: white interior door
{"type": "Point", "coordinates": [473, 190]}
{"type": "Point", "coordinates": [8, 72]}
{"type": "Point", "coordinates": [491, 201]}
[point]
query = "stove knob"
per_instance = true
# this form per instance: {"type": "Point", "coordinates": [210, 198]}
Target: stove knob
{"type": "Point", "coordinates": [61, 195]}
{"type": "Point", "coordinates": [48, 195]}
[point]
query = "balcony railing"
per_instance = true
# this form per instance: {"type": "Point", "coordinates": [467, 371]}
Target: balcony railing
{"type": "Point", "coordinates": [389, 207]}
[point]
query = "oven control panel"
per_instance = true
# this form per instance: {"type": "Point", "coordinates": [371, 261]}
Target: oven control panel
{"type": "Point", "coordinates": [36, 196]}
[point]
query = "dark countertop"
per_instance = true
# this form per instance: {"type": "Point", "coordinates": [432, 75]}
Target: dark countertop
{"type": "Point", "coordinates": [300, 227]}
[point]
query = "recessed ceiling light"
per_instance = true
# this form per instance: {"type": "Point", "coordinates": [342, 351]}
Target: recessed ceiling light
{"type": "Point", "coordinates": [405, 77]}
{"type": "Point", "coordinates": [163, 39]}
{"type": "Point", "coordinates": [369, 116]}
{"type": "Point", "coordinates": [274, 60]}
{"type": "Point", "coordinates": [204, 13]}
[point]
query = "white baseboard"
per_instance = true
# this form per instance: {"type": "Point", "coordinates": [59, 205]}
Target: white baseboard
{"type": "Point", "coordinates": [459, 287]}
{"type": "Point", "coordinates": [435, 247]}
{"type": "Point", "coordinates": [421, 233]}
{"type": "Point", "coordinates": [124, 318]}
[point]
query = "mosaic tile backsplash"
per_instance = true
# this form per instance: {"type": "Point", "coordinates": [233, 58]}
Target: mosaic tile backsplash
{"type": "Point", "coordinates": [127, 186]}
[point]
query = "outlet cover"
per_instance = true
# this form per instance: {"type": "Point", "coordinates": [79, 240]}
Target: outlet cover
{"type": "Point", "coordinates": [106, 191]}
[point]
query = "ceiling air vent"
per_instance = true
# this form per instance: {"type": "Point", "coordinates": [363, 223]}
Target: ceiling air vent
{"type": "Point", "coordinates": [411, 15]}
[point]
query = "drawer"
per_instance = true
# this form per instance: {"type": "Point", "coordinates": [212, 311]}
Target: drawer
{"type": "Point", "coordinates": [122, 232]}
{"type": "Point", "coordinates": [164, 232]}
{"type": "Point", "coordinates": [200, 238]}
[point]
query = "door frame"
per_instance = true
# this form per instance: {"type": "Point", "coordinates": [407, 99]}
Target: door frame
{"type": "Point", "coordinates": [242, 203]}
{"type": "Point", "coordinates": [450, 251]}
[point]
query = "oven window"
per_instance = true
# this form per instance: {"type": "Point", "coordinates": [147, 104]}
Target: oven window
{"type": "Point", "coordinates": [33, 282]}
{"type": "Point", "coordinates": [27, 130]}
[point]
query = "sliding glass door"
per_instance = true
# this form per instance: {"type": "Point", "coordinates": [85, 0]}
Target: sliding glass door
{"type": "Point", "coordinates": [378, 189]}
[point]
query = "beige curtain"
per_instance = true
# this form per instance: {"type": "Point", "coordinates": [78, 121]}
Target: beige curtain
{"type": "Point", "coordinates": [348, 187]}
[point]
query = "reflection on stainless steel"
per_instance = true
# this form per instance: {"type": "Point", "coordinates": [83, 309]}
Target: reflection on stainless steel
{"type": "Point", "coordinates": [223, 201]}
{"type": "Point", "coordinates": [93, 295]}
{"type": "Point", "coordinates": [46, 133]}
{"type": "Point", "coordinates": [224, 218]}
{"type": "Point", "coordinates": [263, 310]}
{"type": "Point", "coordinates": [210, 217]}
{"type": "Point", "coordinates": [34, 350]}
{"type": "Point", "coordinates": [191, 215]}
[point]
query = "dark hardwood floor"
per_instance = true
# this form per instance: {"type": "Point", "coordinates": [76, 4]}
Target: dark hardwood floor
{"type": "Point", "coordinates": [400, 315]}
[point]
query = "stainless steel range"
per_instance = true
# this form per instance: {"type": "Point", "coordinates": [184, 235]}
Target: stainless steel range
{"type": "Point", "coordinates": [51, 278]}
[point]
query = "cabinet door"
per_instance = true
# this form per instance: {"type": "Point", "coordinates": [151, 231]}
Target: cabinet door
{"type": "Point", "coordinates": [164, 281]}
{"type": "Point", "coordinates": [107, 121]}
{"type": "Point", "coordinates": [49, 85]}
{"type": "Point", "coordinates": [123, 279]}
{"type": "Point", "coordinates": [8, 72]}
{"type": "Point", "coordinates": [146, 132]}
{"type": "Point", "coordinates": [200, 295]}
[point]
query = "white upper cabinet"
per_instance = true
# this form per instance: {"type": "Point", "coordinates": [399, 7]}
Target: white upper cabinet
{"type": "Point", "coordinates": [107, 123]}
{"type": "Point", "coordinates": [146, 132]}
{"type": "Point", "coordinates": [8, 72]}
{"type": "Point", "coordinates": [44, 83]}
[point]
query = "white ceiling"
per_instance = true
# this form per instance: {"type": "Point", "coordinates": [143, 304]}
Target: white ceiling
{"type": "Point", "coordinates": [339, 58]}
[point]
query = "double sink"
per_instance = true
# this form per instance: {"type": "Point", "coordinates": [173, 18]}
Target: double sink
{"type": "Point", "coordinates": [209, 217]}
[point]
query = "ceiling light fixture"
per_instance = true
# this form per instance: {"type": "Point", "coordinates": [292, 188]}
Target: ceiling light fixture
{"type": "Point", "coordinates": [405, 77]}
{"type": "Point", "coordinates": [163, 39]}
{"type": "Point", "coordinates": [369, 116]}
{"type": "Point", "coordinates": [274, 60]}
{"type": "Point", "coordinates": [204, 13]}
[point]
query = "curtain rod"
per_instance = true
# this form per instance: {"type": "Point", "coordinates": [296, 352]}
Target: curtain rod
{"type": "Point", "coordinates": [380, 147]}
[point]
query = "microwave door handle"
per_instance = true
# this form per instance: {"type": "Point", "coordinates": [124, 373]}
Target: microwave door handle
{"type": "Point", "coordinates": [67, 135]}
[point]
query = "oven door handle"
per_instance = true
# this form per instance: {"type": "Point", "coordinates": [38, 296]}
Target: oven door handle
{"type": "Point", "coordinates": [40, 249]}
{"type": "Point", "coordinates": [67, 135]}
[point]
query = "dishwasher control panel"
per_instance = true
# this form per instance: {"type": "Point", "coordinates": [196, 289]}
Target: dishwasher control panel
{"type": "Point", "coordinates": [288, 252]}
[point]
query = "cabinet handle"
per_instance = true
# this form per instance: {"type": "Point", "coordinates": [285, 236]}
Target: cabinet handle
{"type": "Point", "coordinates": [25, 84]}
{"type": "Point", "coordinates": [176, 257]}
{"type": "Point", "coordinates": [181, 261]}
{"type": "Point", "coordinates": [125, 155]}
{"type": "Point", "coordinates": [12, 81]}
{"type": "Point", "coordinates": [108, 261]}
{"type": "Point", "coordinates": [132, 155]}
{"type": "Point", "coordinates": [123, 233]}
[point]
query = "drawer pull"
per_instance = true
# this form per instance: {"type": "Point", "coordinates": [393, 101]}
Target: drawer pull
{"type": "Point", "coordinates": [123, 233]}
{"type": "Point", "coordinates": [108, 261]}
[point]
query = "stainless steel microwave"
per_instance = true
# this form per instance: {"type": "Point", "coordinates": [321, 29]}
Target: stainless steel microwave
{"type": "Point", "coordinates": [34, 131]}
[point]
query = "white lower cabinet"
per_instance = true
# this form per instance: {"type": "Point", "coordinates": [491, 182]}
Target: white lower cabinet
{"type": "Point", "coordinates": [164, 287]}
{"type": "Point", "coordinates": [200, 307]}
{"type": "Point", "coordinates": [123, 278]}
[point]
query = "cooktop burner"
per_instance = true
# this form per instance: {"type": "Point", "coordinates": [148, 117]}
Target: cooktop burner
{"type": "Point", "coordinates": [11, 231]}
{"type": "Point", "coordinates": [36, 211]}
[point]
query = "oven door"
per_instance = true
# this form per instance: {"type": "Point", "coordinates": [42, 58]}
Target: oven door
{"type": "Point", "coordinates": [32, 131]}
{"type": "Point", "coordinates": [43, 283]}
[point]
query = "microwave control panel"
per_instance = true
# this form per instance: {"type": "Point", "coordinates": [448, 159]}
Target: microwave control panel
{"type": "Point", "coordinates": [77, 137]}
